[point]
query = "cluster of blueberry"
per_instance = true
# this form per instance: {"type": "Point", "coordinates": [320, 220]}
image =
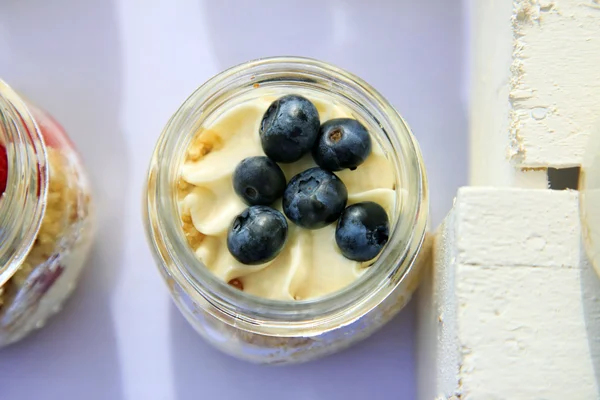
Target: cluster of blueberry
{"type": "Point", "coordinates": [314, 198]}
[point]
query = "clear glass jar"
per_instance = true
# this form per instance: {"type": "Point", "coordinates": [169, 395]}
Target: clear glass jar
{"type": "Point", "coordinates": [45, 217]}
{"type": "Point", "coordinates": [589, 187]}
{"type": "Point", "coordinates": [278, 332]}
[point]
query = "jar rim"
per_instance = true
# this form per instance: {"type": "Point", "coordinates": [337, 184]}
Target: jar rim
{"type": "Point", "coordinates": [23, 203]}
{"type": "Point", "coordinates": [269, 316]}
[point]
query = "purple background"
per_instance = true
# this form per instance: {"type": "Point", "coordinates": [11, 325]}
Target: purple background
{"type": "Point", "coordinates": [113, 72]}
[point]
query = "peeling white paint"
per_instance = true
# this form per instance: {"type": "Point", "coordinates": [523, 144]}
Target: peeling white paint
{"type": "Point", "coordinates": [556, 61]}
{"type": "Point", "coordinates": [515, 300]}
{"type": "Point", "coordinates": [529, 55]}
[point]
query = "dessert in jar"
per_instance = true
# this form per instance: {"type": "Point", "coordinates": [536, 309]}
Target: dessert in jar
{"type": "Point", "coordinates": [45, 216]}
{"type": "Point", "coordinates": [287, 210]}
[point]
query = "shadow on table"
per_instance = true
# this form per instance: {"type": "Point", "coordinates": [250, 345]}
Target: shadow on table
{"type": "Point", "coordinates": [361, 372]}
{"type": "Point", "coordinates": [64, 56]}
{"type": "Point", "coordinates": [413, 52]}
{"type": "Point", "coordinates": [590, 290]}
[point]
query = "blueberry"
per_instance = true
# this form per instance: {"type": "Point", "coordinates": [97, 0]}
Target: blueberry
{"type": "Point", "coordinates": [258, 181]}
{"type": "Point", "coordinates": [314, 198]}
{"type": "Point", "coordinates": [289, 128]}
{"type": "Point", "coordinates": [342, 143]}
{"type": "Point", "coordinates": [257, 235]}
{"type": "Point", "coordinates": [362, 231]}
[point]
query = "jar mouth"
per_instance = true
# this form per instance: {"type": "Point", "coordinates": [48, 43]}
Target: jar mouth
{"type": "Point", "coordinates": [24, 201]}
{"type": "Point", "coordinates": [260, 314]}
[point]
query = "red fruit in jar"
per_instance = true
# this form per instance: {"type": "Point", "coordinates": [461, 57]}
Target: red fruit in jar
{"type": "Point", "coordinates": [53, 133]}
{"type": "Point", "coordinates": [3, 169]}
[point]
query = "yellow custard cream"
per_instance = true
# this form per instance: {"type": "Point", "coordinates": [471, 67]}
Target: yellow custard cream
{"type": "Point", "coordinates": [310, 264]}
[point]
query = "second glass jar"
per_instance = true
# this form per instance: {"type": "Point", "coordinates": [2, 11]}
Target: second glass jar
{"type": "Point", "coordinates": [45, 216]}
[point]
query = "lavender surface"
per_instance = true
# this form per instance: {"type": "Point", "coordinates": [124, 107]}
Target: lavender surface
{"type": "Point", "coordinates": [113, 72]}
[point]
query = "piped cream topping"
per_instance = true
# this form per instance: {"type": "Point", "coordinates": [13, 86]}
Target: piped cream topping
{"type": "Point", "coordinates": [310, 265]}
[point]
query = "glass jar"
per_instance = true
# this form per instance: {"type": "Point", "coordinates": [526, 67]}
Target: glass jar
{"type": "Point", "coordinates": [271, 331]}
{"type": "Point", "coordinates": [45, 216]}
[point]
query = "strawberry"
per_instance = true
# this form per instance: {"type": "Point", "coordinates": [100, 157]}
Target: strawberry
{"type": "Point", "coordinates": [3, 169]}
{"type": "Point", "coordinates": [51, 131]}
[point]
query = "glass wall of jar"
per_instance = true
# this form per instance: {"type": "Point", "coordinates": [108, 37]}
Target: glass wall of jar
{"type": "Point", "coordinates": [45, 216]}
{"type": "Point", "coordinates": [263, 330]}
